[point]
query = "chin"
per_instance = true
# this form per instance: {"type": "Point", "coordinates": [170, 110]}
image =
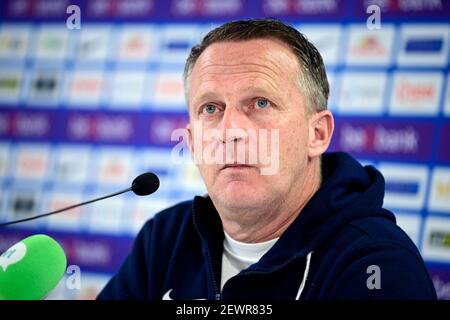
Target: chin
{"type": "Point", "coordinates": [241, 202]}
{"type": "Point", "coordinates": [240, 194]}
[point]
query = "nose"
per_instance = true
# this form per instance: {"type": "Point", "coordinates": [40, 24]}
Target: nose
{"type": "Point", "coordinates": [234, 125]}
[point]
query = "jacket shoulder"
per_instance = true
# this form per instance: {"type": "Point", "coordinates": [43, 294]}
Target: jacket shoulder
{"type": "Point", "coordinates": [168, 225]}
{"type": "Point", "coordinates": [173, 216]}
{"type": "Point", "coordinates": [381, 230]}
{"type": "Point", "coordinates": [368, 247]}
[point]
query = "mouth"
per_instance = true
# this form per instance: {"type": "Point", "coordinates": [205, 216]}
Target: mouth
{"type": "Point", "coordinates": [237, 166]}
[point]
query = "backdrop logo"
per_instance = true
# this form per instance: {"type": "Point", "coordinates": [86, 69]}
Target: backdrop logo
{"type": "Point", "coordinates": [136, 44]}
{"type": "Point", "coordinates": [86, 88]}
{"type": "Point", "coordinates": [114, 166]}
{"type": "Point", "coordinates": [169, 90]}
{"type": "Point", "coordinates": [399, 141]}
{"type": "Point", "coordinates": [128, 89]}
{"type": "Point", "coordinates": [203, 8]}
{"type": "Point", "coordinates": [440, 190]}
{"type": "Point", "coordinates": [52, 43]}
{"type": "Point", "coordinates": [176, 42]}
{"type": "Point", "coordinates": [362, 93]}
{"type": "Point", "coordinates": [13, 255]}
{"type": "Point", "coordinates": [421, 46]}
{"type": "Point", "coordinates": [10, 85]}
{"type": "Point", "coordinates": [416, 93]}
{"type": "Point", "coordinates": [71, 166]}
{"type": "Point", "coordinates": [23, 204]}
{"type": "Point", "coordinates": [428, 45]}
{"type": "Point", "coordinates": [326, 38]}
{"type": "Point", "coordinates": [440, 239]}
{"type": "Point", "coordinates": [314, 7]}
{"type": "Point", "coordinates": [384, 139]}
{"type": "Point", "coordinates": [405, 185]}
{"type": "Point", "coordinates": [32, 162]}
{"type": "Point", "coordinates": [420, 5]}
{"type": "Point", "coordinates": [58, 200]}
{"type": "Point", "coordinates": [94, 43]}
{"type": "Point", "coordinates": [45, 87]}
{"type": "Point", "coordinates": [14, 41]}
{"type": "Point", "coordinates": [436, 243]}
{"type": "Point", "coordinates": [368, 47]}
{"type": "Point", "coordinates": [120, 8]}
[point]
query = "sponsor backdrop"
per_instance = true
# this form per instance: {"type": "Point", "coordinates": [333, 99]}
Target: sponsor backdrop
{"type": "Point", "coordinates": [84, 111]}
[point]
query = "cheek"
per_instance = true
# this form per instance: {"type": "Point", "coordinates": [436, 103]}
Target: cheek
{"type": "Point", "coordinates": [206, 173]}
{"type": "Point", "coordinates": [293, 141]}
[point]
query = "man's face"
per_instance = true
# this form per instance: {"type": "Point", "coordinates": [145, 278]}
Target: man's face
{"type": "Point", "coordinates": [237, 89]}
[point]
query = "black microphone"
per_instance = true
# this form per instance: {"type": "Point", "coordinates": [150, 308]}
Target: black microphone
{"type": "Point", "coordinates": [143, 185]}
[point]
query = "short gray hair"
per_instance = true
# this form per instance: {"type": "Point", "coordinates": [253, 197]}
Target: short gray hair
{"type": "Point", "coordinates": [312, 77]}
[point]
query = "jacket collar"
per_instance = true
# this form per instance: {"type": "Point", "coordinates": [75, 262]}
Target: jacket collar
{"type": "Point", "coordinates": [348, 192]}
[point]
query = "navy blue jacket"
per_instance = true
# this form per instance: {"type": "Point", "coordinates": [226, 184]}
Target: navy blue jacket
{"type": "Point", "coordinates": [343, 245]}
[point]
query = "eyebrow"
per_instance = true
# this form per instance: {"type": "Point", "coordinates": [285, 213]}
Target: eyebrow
{"type": "Point", "coordinates": [208, 95]}
{"type": "Point", "coordinates": [211, 95]}
{"type": "Point", "coordinates": [256, 90]}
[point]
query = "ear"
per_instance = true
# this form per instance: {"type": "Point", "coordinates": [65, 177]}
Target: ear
{"type": "Point", "coordinates": [190, 139]}
{"type": "Point", "coordinates": [321, 127]}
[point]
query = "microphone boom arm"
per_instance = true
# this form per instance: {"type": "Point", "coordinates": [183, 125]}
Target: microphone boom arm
{"type": "Point", "coordinates": [64, 209]}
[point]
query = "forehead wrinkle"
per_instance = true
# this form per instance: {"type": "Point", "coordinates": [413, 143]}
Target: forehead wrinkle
{"type": "Point", "coordinates": [268, 74]}
{"type": "Point", "coordinates": [273, 58]}
{"type": "Point", "coordinates": [263, 84]}
{"type": "Point", "coordinates": [269, 71]}
{"type": "Point", "coordinates": [267, 78]}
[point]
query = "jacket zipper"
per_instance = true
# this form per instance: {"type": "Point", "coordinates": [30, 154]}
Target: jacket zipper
{"type": "Point", "coordinates": [217, 294]}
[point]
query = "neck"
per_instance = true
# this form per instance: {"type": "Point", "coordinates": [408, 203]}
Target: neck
{"type": "Point", "coordinates": [274, 218]}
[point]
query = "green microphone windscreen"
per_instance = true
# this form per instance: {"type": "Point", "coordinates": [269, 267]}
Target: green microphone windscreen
{"type": "Point", "coordinates": [31, 268]}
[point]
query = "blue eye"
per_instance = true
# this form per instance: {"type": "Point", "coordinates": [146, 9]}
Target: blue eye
{"type": "Point", "coordinates": [262, 103]}
{"type": "Point", "coordinates": [209, 108]}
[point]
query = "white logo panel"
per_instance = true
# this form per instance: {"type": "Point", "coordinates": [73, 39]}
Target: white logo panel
{"type": "Point", "coordinates": [326, 38]}
{"type": "Point", "coordinates": [436, 239]}
{"type": "Point", "coordinates": [416, 93]}
{"type": "Point", "coordinates": [370, 47]}
{"type": "Point", "coordinates": [439, 199]}
{"type": "Point", "coordinates": [405, 185]}
{"type": "Point", "coordinates": [424, 46]}
{"type": "Point", "coordinates": [362, 93]}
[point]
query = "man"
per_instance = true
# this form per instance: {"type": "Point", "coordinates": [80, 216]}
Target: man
{"type": "Point", "coordinates": [312, 228]}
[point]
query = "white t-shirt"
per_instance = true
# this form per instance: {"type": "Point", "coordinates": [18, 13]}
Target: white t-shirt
{"type": "Point", "coordinates": [238, 256]}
